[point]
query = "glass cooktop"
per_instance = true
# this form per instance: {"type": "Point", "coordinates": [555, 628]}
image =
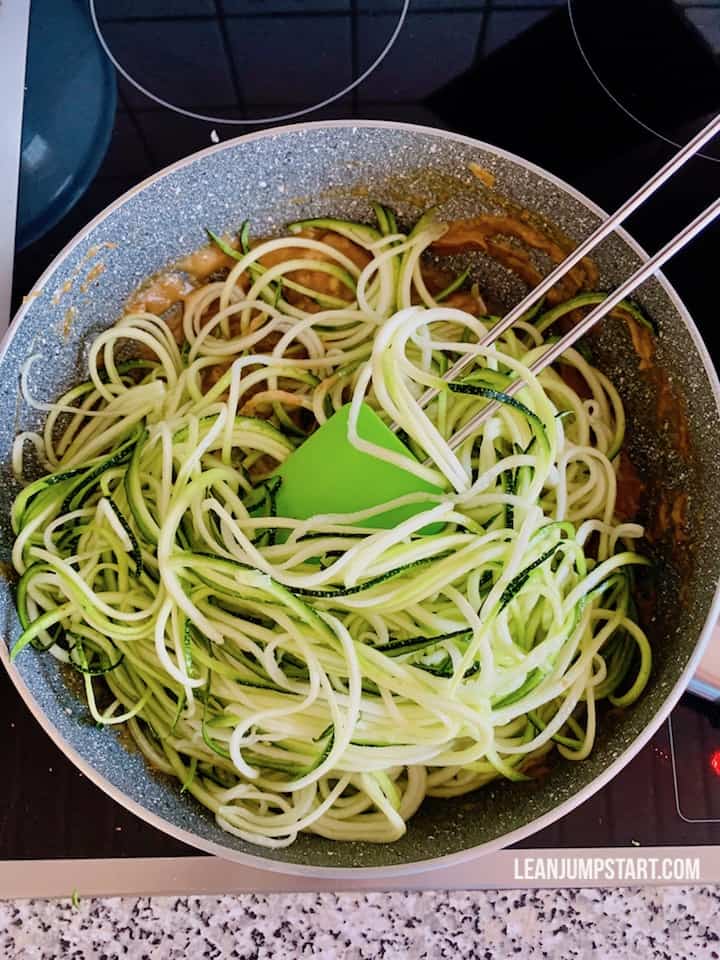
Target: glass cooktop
{"type": "Point", "coordinates": [595, 91]}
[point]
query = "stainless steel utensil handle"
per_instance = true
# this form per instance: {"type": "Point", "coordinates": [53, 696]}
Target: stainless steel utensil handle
{"type": "Point", "coordinates": [605, 228]}
{"type": "Point", "coordinates": [613, 299]}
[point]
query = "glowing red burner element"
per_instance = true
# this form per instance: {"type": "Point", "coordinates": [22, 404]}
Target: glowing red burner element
{"type": "Point", "coordinates": [715, 762]}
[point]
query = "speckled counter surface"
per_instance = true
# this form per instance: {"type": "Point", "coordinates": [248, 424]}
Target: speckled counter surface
{"type": "Point", "coordinates": [652, 922]}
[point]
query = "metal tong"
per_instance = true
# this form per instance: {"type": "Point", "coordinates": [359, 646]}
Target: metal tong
{"type": "Point", "coordinates": [613, 299]}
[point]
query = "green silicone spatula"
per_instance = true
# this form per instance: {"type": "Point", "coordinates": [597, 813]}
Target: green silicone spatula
{"type": "Point", "coordinates": [327, 474]}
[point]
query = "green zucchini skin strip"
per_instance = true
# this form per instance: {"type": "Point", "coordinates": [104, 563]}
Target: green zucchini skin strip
{"type": "Point", "coordinates": [360, 588]}
{"type": "Point", "coordinates": [518, 582]}
{"type": "Point", "coordinates": [549, 317]}
{"type": "Point", "coordinates": [456, 284]}
{"type": "Point", "coordinates": [84, 486]}
{"type": "Point", "coordinates": [489, 393]}
{"type": "Point", "coordinates": [360, 233]}
{"type": "Point", "coordinates": [135, 552]}
{"type": "Point", "coordinates": [397, 648]}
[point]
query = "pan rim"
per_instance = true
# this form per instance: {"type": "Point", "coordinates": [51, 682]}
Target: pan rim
{"type": "Point", "coordinates": [462, 856]}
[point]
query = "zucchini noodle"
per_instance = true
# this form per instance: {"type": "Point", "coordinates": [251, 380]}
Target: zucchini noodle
{"type": "Point", "coordinates": [324, 675]}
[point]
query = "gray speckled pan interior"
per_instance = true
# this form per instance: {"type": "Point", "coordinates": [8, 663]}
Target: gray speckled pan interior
{"type": "Point", "coordinates": [307, 171]}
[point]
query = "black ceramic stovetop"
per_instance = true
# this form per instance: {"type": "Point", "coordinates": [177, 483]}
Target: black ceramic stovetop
{"type": "Point", "coordinates": [595, 92]}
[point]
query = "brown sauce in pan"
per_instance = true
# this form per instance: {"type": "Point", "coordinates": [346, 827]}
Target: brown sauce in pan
{"type": "Point", "coordinates": [669, 519]}
{"type": "Point", "coordinates": [8, 572]}
{"type": "Point", "coordinates": [506, 238]}
{"type": "Point", "coordinates": [671, 409]}
{"type": "Point", "coordinates": [317, 280]}
{"type": "Point", "coordinates": [630, 489]}
{"type": "Point", "coordinates": [160, 293]}
{"type": "Point", "coordinates": [205, 261]}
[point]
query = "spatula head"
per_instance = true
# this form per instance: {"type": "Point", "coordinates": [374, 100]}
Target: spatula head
{"type": "Point", "coordinates": [327, 474]}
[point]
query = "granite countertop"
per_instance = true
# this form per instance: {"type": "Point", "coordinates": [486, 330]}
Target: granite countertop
{"type": "Point", "coordinates": [652, 923]}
